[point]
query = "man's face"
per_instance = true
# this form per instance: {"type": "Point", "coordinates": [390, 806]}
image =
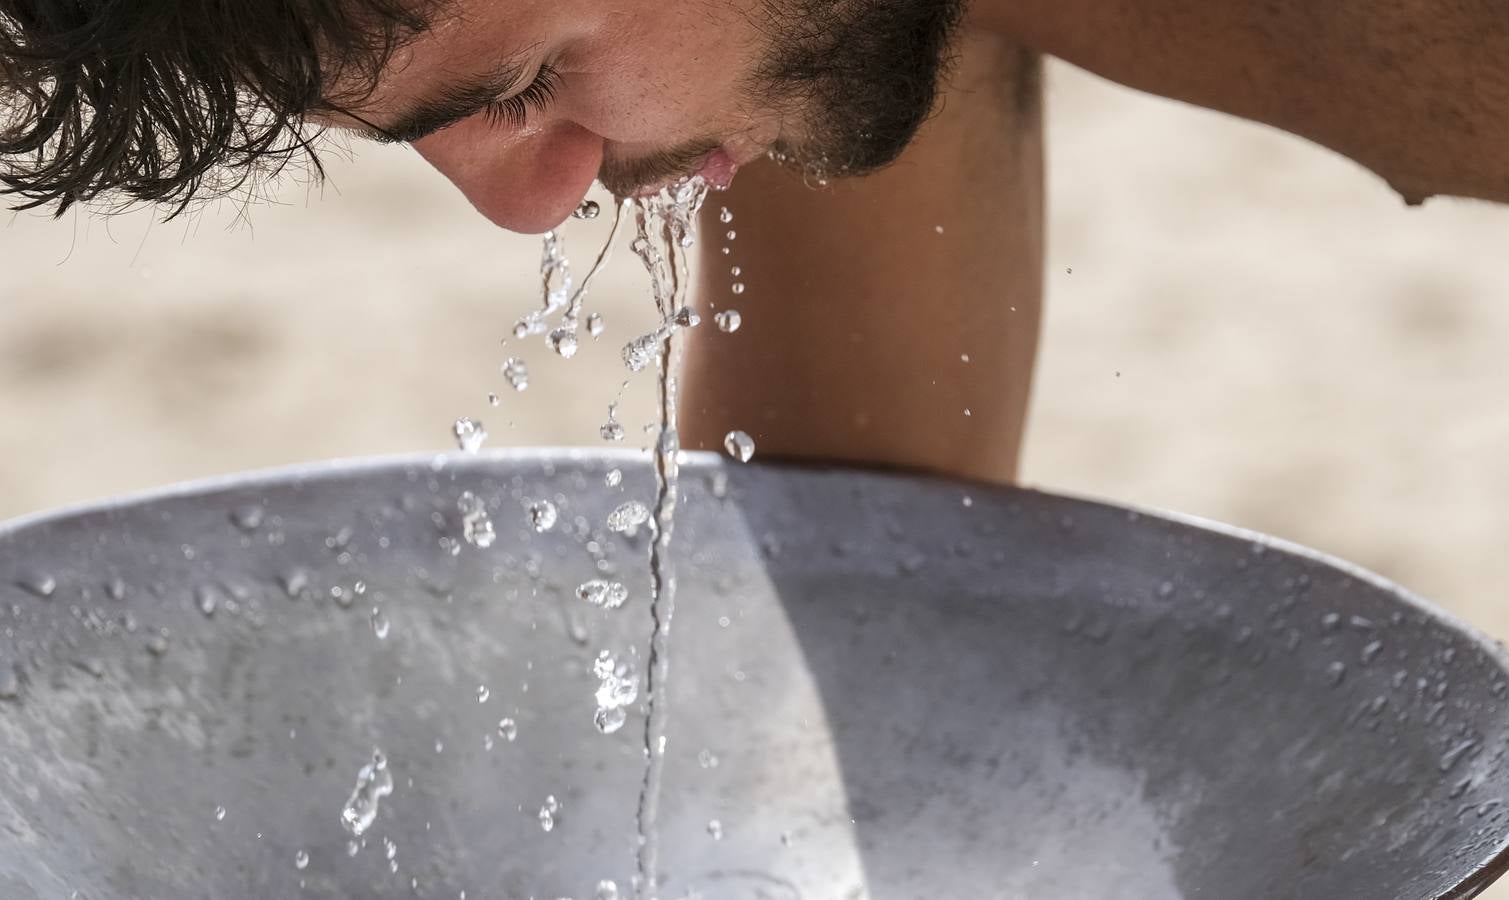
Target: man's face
{"type": "Point", "coordinates": [647, 91]}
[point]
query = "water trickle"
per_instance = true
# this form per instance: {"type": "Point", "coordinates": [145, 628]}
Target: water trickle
{"type": "Point", "coordinates": [665, 224]}
{"type": "Point", "coordinates": [301, 860]}
{"type": "Point", "coordinates": [516, 371]}
{"type": "Point", "coordinates": [476, 525]}
{"type": "Point", "coordinates": [542, 515]}
{"type": "Point", "coordinates": [628, 516]}
{"type": "Point", "coordinates": [373, 783]}
{"type": "Point", "coordinates": [607, 594]}
{"type": "Point", "coordinates": [739, 445]}
{"type": "Point", "coordinates": [469, 434]}
{"type": "Point", "coordinates": [508, 729]}
{"type": "Point", "coordinates": [728, 321]}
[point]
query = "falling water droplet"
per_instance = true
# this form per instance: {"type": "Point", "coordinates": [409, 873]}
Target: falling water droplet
{"type": "Point", "coordinates": [373, 782]}
{"type": "Point", "coordinates": [728, 321]}
{"type": "Point", "coordinates": [563, 342]}
{"type": "Point", "coordinates": [516, 371]}
{"type": "Point", "coordinates": [542, 515]}
{"type": "Point", "coordinates": [628, 515]}
{"type": "Point", "coordinates": [476, 525]}
{"type": "Point", "coordinates": [219, 814]}
{"type": "Point", "coordinates": [617, 687]}
{"type": "Point", "coordinates": [492, 400]}
{"type": "Point", "coordinates": [380, 624]}
{"type": "Point", "coordinates": [607, 594]}
{"type": "Point", "coordinates": [725, 216]}
{"type": "Point", "coordinates": [595, 325]}
{"type": "Point", "coordinates": [508, 729]}
{"type": "Point", "coordinates": [612, 431]}
{"type": "Point", "coordinates": [301, 860]}
{"type": "Point", "coordinates": [739, 445]}
{"type": "Point", "coordinates": [469, 434]}
{"type": "Point", "coordinates": [737, 287]}
{"type": "Point", "coordinates": [483, 693]}
{"type": "Point", "coordinates": [614, 478]}
{"type": "Point", "coordinates": [732, 235]}
{"type": "Point", "coordinates": [588, 210]}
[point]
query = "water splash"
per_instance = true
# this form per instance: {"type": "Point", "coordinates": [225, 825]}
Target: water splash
{"type": "Point", "coordinates": [607, 594]}
{"type": "Point", "coordinates": [508, 729]}
{"type": "Point", "coordinates": [542, 515]}
{"type": "Point", "coordinates": [628, 516]}
{"type": "Point", "coordinates": [476, 525]}
{"type": "Point", "coordinates": [516, 371]}
{"type": "Point", "coordinates": [373, 782]}
{"type": "Point", "coordinates": [617, 688]}
{"type": "Point", "coordinates": [469, 434]}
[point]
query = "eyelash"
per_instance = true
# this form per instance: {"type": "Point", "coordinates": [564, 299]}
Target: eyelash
{"type": "Point", "coordinates": [514, 111]}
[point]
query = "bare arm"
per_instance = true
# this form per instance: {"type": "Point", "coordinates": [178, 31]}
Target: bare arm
{"type": "Point", "coordinates": [1416, 90]}
{"type": "Point", "coordinates": [867, 334]}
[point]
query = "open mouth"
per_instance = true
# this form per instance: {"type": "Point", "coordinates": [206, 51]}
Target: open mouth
{"type": "Point", "coordinates": [648, 176]}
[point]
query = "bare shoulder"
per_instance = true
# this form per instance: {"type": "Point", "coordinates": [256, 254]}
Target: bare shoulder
{"type": "Point", "coordinates": [1416, 90]}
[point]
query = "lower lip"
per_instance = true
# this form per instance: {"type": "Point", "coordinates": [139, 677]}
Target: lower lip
{"type": "Point", "coordinates": [718, 169]}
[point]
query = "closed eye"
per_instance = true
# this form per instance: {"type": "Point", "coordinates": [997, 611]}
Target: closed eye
{"type": "Point", "coordinates": [513, 112]}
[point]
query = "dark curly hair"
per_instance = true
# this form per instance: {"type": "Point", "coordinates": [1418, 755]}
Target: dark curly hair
{"type": "Point", "coordinates": [165, 101]}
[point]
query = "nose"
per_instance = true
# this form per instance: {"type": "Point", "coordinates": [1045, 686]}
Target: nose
{"type": "Point", "coordinates": [528, 182]}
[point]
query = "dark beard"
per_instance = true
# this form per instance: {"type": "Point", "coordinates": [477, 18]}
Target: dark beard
{"type": "Point", "coordinates": [859, 77]}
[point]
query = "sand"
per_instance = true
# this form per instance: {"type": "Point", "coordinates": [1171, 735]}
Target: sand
{"type": "Point", "coordinates": [1254, 330]}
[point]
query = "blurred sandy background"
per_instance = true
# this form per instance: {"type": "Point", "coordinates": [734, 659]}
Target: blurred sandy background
{"type": "Point", "coordinates": [1254, 330]}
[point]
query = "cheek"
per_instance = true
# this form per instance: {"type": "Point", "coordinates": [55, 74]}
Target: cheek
{"type": "Point", "coordinates": [680, 84]}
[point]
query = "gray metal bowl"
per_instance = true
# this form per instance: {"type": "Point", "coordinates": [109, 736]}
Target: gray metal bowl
{"type": "Point", "coordinates": [883, 687]}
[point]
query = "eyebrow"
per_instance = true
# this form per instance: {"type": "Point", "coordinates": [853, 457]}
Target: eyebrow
{"type": "Point", "coordinates": [451, 104]}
